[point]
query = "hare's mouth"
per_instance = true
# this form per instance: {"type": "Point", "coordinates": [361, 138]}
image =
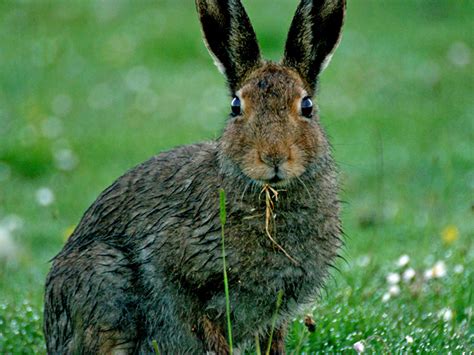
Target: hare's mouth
{"type": "Point", "coordinates": [262, 174]}
{"type": "Point", "coordinates": [275, 180]}
{"type": "Point", "coordinates": [273, 177]}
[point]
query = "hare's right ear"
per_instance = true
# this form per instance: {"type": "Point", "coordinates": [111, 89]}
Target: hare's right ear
{"type": "Point", "coordinates": [230, 38]}
{"type": "Point", "coordinates": [313, 37]}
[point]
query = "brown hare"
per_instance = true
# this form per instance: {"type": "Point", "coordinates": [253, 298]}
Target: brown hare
{"type": "Point", "coordinates": [145, 261]}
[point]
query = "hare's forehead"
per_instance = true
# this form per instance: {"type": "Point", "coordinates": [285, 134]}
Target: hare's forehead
{"type": "Point", "coordinates": [273, 85]}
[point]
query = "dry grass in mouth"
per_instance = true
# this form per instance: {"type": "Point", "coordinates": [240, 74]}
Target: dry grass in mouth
{"type": "Point", "coordinates": [271, 196]}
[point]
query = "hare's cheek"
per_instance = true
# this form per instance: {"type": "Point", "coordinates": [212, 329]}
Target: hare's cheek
{"type": "Point", "coordinates": [294, 169]}
{"type": "Point", "coordinates": [233, 142]}
{"type": "Point", "coordinates": [311, 142]}
{"type": "Point", "coordinates": [295, 166]}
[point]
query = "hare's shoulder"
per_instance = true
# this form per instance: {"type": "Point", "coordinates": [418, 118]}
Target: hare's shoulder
{"type": "Point", "coordinates": [163, 174]}
{"type": "Point", "coordinates": [163, 181]}
{"type": "Point", "coordinates": [173, 174]}
{"type": "Point", "coordinates": [179, 160]}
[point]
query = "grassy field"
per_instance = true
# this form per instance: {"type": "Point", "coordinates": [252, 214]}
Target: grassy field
{"type": "Point", "coordinates": [89, 89]}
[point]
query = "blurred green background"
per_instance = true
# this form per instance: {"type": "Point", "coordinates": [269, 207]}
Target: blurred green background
{"type": "Point", "coordinates": [88, 89]}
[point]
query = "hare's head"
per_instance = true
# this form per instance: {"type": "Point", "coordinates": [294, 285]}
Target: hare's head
{"type": "Point", "coordinates": [273, 134]}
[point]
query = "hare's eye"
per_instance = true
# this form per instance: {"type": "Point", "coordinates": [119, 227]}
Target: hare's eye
{"type": "Point", "coordinates": [307, 107]}
{"type": "Point", "coordinates": [235, 106]}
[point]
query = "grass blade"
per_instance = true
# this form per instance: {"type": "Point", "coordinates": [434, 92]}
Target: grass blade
{"type": "Point", "coordinates": [257, 345]}
{"type": "Point", "coordinates": [155, 347]}
{"type": "Point", "coordinates": [226, 283]}
{"type": "Point", "coordinates": [278, 304]}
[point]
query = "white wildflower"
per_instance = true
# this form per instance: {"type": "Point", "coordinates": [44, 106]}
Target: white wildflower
{"type": "Point", "coordinates": [439, 269]}
{"type": "Point", "coordinates": [44, 196]}
{"type": "Point", "coordinates": [428, 274]}
{"type": "Point", "coordinates": [403, 260]}
{"type": "Point", "coordinates": [409, 274]}
{"type": "Point", "coordinates": [394, 290]}
{"type": "Point", "coordinates": [386, 297]}
{"type": "Point", "coordinates": [446, 314]}
{"type": "Point", "coordinates": [359, 347]}
{"type": "Point", "coordinates": [393, 278]}
{"type": "Point", "coordinates": [409, 339]}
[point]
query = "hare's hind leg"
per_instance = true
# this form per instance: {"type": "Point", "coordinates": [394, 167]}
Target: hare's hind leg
{"type": "Point", "coordinates": [278, 341]}
{"type": "Point", "coordinates": [214, 337]}
{"type": "Point", "coordinates": [90, 303]}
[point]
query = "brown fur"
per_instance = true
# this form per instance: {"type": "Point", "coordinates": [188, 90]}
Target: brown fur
{"type": "Point", "coordinates": [214, 338]}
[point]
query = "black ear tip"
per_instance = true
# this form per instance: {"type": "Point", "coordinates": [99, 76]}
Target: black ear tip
{"type": "Point", "coordinates": [230, 38]}
{"type": "Point", "coordinates": [314, 34]}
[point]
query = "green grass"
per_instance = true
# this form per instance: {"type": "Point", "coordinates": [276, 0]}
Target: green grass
{"type": "Point", "coordinates": [115, 82]}
{"type": "Point", "coordinates": [223, 217]}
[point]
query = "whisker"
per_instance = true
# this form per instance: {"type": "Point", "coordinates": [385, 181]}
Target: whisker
{"type": "Point", "coordinates": [247, 184]}
{"type": "Point", "coordinates": [306, 188]}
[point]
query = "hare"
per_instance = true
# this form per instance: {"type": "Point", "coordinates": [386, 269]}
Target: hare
{"type": "Point", "coordinates": [145, 262]}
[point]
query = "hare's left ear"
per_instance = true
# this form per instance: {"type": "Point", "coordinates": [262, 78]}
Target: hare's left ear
{"type": "Point", "coordinates": [314, 35]}
{"type": "Point", "coordinates": [230, 38]}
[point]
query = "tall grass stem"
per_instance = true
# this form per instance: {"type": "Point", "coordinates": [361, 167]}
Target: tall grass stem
{"type": "Point", "coordinates": [155, 347]}
{"type": "Point", "coordinates": [278, 304]}
{"type": "Point", "coordinates": [257, 345]}
{"type": "Point", "coordinates": [223, 216]}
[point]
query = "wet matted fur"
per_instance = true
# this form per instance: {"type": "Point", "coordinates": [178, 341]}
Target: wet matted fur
{"type": "Point", "coordinates": [145, 261]}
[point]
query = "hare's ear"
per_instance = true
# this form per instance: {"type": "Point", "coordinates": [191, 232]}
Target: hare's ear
{"type": "Point", "coordinates": [314, 35]}
{"type": "Point", "coordinates": [230, 38]}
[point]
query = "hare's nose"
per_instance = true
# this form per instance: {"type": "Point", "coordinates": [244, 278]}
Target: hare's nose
{"type": "Point", "coordinates": [273, 160]}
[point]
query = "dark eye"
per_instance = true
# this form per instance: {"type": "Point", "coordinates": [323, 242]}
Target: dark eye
{"type": "Point", "coordinates": [307, 107]}
{"type": "Point", "coordinates": [235, 106]}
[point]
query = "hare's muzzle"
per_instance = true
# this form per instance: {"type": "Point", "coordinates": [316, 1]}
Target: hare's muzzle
{"type": "Point", "coordinates": [274, 160]}
{"type": "Point", "coordinates": [275, 164]}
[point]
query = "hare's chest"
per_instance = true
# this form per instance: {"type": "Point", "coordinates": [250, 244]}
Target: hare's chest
{"type": "Point", "coordinates": [272, 234]}
{"type": "Point", "coordinates": [263, 250]}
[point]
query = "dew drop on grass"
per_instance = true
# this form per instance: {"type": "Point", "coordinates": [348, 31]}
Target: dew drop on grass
{"type": "Point", "coordinates": [65, 159]}
{"type": "Point", "coordinates": [44, 196]}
